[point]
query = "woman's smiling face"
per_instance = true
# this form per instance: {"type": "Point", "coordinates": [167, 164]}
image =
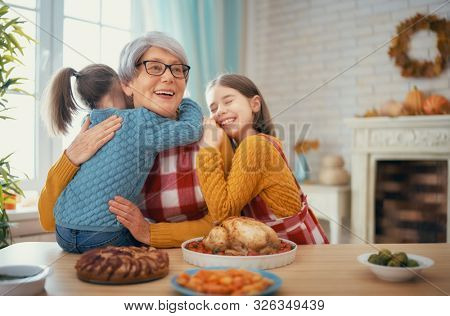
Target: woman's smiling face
{"type": "Point", "coordinates": [232, 111]}
{"type": "Point", "coordinates": [160, 94]}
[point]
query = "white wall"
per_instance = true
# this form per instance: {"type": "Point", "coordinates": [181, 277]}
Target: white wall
{"type": "Point", "coordinates": [296, 45]}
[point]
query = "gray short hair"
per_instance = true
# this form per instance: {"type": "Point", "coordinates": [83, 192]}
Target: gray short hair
{"type": "Point", "coordinates": [133, 51]}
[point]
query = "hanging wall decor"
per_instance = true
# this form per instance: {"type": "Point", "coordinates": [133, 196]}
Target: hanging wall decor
{"type": "Point", "coordinates": [400, 45]}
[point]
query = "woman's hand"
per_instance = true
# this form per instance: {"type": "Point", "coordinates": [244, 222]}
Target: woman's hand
{"type": "Point", "coordinates": [130, 216]}
{"type": "Point", "coordinates": [90, 140]}
{"type": "Point", "coordinates": [212, 134]}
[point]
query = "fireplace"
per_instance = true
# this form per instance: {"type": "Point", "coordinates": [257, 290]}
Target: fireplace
{"type": "Point", "coordinates": [410, 201]}
{"type": "Point", "coordinates": [400, 179]}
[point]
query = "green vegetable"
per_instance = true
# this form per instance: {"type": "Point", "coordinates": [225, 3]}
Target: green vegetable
{"type": "Point", "coordinates": [398, 259]}
{"type": "Point", "coordinates": [412, 263]}
{"type": "Point", "coordinates": [377, 259]}
{"type": "Point", "coordinates": [394, 263]}
{"type": "Point", "coordinates": [385, 256]}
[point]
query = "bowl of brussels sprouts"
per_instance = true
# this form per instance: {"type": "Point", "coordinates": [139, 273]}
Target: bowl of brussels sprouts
{"type": "Point", "coordinates": [395, 267]}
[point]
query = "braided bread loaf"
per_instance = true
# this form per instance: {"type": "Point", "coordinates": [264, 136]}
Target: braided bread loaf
{"type": "Point", "coordinates": [122, 265]}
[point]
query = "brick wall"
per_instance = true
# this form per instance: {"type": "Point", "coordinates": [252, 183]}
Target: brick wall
{"type": "Point", "coordinates": [295, 46]}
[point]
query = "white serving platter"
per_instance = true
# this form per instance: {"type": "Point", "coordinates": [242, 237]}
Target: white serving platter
{"type": "Point", "coordinates": [254, 262]}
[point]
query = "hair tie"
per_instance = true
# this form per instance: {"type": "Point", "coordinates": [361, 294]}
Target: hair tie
{"type": "Point", "coordinates": [76, 74]}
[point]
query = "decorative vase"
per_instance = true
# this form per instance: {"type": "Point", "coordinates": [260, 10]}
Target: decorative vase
{"type": "Point", "coordinates": [302, 171]}
{"type": "Point", "coordinates": [332, 171]}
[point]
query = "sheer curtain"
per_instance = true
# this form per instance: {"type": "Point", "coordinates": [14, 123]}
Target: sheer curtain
{"type": "Point", "coordinates": [211, 32]}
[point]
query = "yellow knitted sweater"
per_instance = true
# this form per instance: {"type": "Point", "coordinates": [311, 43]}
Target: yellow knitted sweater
{"type": "Point", "coordinates": [257, 169]}
{"type": "Point", "coordinates": [162, 235]}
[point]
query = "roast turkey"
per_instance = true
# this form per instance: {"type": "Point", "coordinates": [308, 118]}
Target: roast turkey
{"type": "Point", "coordinates": [241, 236]}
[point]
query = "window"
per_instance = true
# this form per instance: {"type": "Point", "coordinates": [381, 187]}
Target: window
{"type": "Point", "coordinates": [71, 33]}
{"type": "Point", "coordinates": [105, 31]}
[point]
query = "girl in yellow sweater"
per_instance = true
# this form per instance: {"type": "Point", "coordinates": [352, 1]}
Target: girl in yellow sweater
{"type": "Point", "coordinates": [259, 183]}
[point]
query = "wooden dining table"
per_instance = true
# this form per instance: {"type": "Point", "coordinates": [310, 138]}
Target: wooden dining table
{"type": "Point", "coordinates": [317, 270]}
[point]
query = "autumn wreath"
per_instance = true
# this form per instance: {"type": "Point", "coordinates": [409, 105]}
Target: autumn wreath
{"type": "Point", "coordinates": [400, 46]}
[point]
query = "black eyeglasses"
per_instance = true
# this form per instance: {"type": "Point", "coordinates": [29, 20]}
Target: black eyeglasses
{"type": "Point", "coordinates": [156, 68]}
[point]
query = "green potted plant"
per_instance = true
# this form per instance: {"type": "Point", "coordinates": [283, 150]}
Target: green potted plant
{"type": "Point", "coordinates": [10, 51]}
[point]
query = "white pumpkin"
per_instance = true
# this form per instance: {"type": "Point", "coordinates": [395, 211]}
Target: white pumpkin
{"type": "Point", "coordinates": [392, 108]}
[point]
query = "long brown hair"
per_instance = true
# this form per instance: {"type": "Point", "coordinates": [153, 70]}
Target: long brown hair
{"type": "Point", "coordinates": [93, 82]}
{"type": "Point", "coordinates": [262, 121]}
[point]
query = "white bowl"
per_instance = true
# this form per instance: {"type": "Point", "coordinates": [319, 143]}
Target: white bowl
{"type": "Point", "coordinates": [255, 262]}
{"type": "Point", "coordinates": [397, 274]}
{"type": "Point", "coordinates": [31, 281]}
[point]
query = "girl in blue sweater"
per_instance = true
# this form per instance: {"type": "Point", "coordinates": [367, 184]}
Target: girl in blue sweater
{"type": "Point", "coordinates": [123, 164]}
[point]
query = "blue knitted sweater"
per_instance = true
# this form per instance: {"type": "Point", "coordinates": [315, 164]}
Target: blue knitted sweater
{"type": "Point", "coordinates": [121, 166]}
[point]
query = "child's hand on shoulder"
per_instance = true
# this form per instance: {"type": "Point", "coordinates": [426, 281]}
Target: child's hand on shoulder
{"type": "Point", "coordinates": [212, 134]}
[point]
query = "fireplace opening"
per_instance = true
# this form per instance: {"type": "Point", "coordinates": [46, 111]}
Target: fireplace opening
{"type": "Point", "coordinates": [411, 201]}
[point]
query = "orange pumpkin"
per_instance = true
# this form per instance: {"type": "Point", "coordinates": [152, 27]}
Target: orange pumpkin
{"type": "Point", "coordinates": [436, 104]}
{"type": "Point", "coordinates": [414, 101]}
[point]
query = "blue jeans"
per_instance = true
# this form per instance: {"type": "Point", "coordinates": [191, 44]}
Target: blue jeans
{"type": "Point", "coordinates": [79, 241]}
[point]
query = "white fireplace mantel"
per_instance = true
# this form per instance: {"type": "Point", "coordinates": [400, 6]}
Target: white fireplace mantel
{"type": "Point", "coordinates": [383, 138]}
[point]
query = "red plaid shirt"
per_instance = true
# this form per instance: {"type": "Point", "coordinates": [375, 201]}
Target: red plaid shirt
{"type": "Point", "coordinates": [172, 191]}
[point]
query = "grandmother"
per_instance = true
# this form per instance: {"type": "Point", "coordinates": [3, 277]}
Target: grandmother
{"type": "Point", "coordinates": [153, 70]}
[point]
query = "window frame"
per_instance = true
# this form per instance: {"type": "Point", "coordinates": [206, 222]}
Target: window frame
{"type": "Point", "coordinates": [101, 26]}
